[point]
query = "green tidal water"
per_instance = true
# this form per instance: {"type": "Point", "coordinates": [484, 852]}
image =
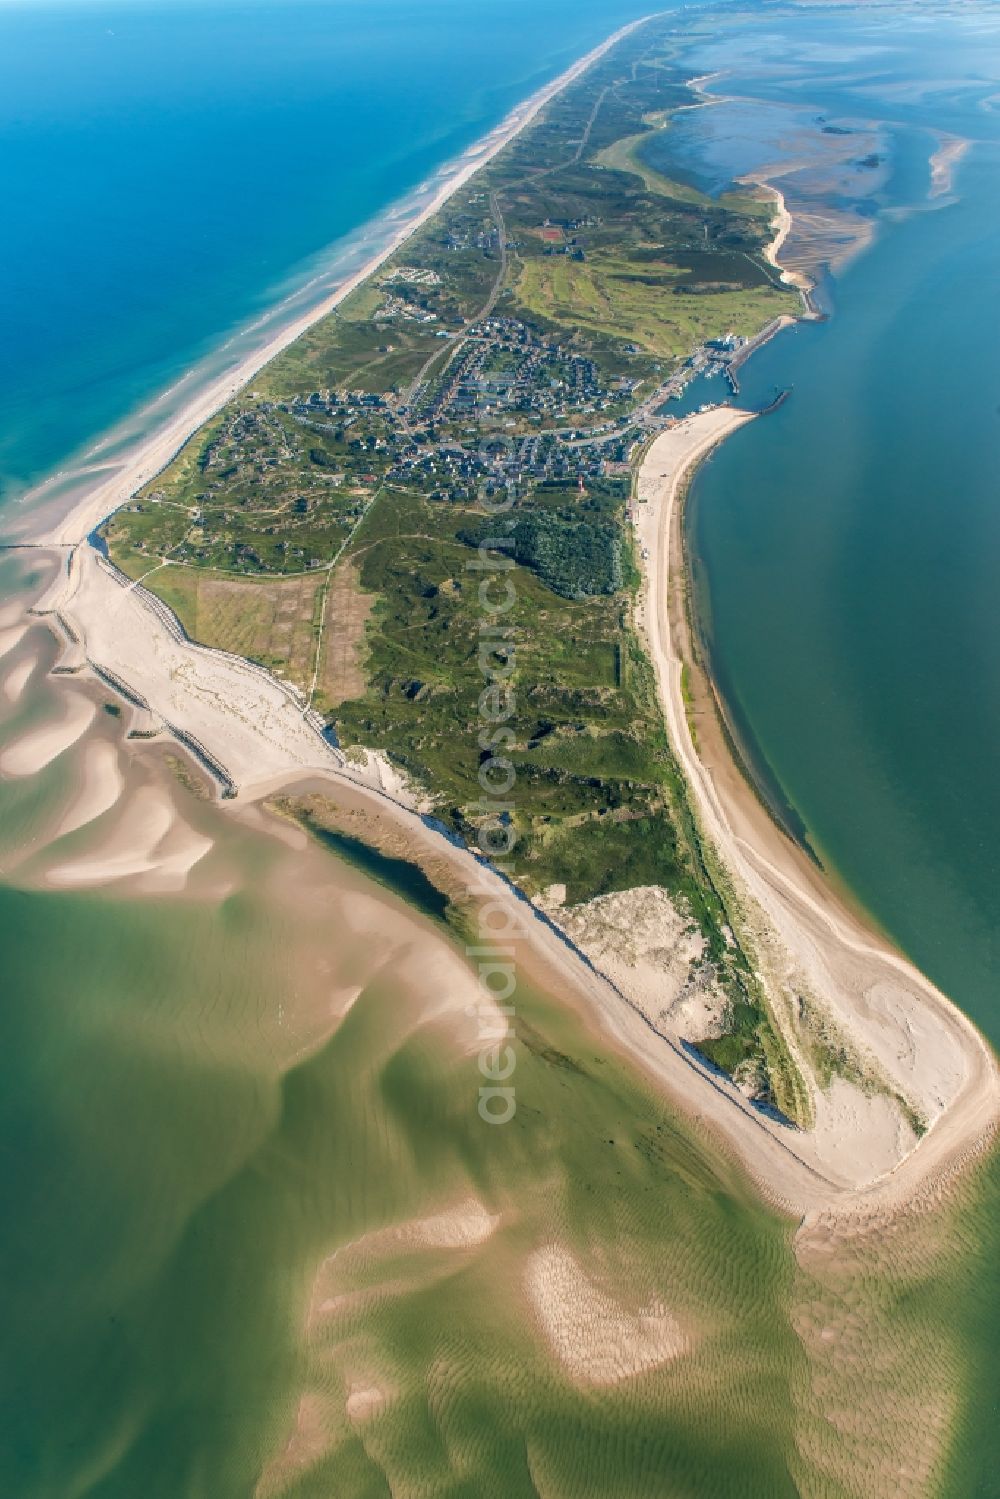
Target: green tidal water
{"type": "Point", "coordinates": [170, 1188]}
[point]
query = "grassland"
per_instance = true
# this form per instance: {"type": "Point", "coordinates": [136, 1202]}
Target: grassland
{"type": "Point", "coordinates": [667, 308]}
{"type": "Point", "coordinates": [625, 156]}
{"type": "Point", "coordinates": [273, 620]}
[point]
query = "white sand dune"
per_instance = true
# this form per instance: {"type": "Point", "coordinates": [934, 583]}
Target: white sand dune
{"type": "Point", "coordinates": [149, 840]}
{"type": "Point", "coordinates": [18, 678]}
{"type": "Point", "coordinates": [595, 1338]}
{"type": "Point", "coordinates": [40, 746]}
{"type": "Point", "coordinates": [101, 788]}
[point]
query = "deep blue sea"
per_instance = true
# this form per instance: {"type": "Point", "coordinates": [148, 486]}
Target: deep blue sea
{"type": "Point", "coordinates": [169, 168]}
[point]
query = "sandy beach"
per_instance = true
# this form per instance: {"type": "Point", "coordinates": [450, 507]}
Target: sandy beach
{"type": "Point", "coordinates": [782, 229]}
{"type": "Point", "coordinates": [806, 941]}
{"type": "Point", "coordinates": [152, 455]}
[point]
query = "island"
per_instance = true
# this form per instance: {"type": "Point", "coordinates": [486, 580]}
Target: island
{"type": "Point", "coordinates": [432, 551]}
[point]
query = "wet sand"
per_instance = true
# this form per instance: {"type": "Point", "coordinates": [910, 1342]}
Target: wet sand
{"type": "Point", "coordinates": [102, 786]}
{"type": "Point", "coordinates": [18, 678]}
{"type": "Point", "coordinates": [149, 840]}
{"type": "Point", "coordinates": [225, 713]}
{"type": "Point", "coordinates": [37, 748]}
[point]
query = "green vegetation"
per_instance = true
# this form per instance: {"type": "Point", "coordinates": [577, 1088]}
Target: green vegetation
{"type": "Point", "coordinates": [469, 418]}
{"type": "Point", "coordinates": [611, 297]}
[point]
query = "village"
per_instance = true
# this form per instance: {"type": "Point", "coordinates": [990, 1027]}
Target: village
{"type": "Point", "coordinates": [510, 405]}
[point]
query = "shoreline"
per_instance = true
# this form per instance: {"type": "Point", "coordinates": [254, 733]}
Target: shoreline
{"type": "Point", "coordinates": [783, 228]}
{"type": "Point", "coordinates": [154, 452]}
{"type": "Point", "coordinates": [782, 1162]}
{"type": "Point", "coordinates": [801, 924]}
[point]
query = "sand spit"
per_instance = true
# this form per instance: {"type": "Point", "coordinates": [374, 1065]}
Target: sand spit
{"type": "Point", "coordinates": [944, 162]}
{"type": "Point", "coordinates": [149, 843]}
{"type": "Point", "coordinates": [805, 942]}
{"type": "Point", "coordinates": [592, 1335]}
{"type": "Point", "coordinates": [255, 738]}
{"type": "Point", "coordinates": [38, 748]}
{"type": "Point", "coordinates": [782, 229]}
{"type": "Point", "coordinates": [102, 786]}
{"type": "Point", "coordinates": [847, 1175]}
{"type": "Point", "coordinates": [18, 678]}
{"type": "Point", "coordinates": [152, 455]}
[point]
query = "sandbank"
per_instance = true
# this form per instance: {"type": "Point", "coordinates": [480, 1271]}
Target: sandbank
{"type": "Point", "coordinates": [39, 747]}
{"type": "Point", "coordinates": [149, 840]}
{"type": "Point", "coordinates": [18, 678]}
{"type": "Point", "coordinates": [101, 787]}
{"type": "Point", "coordinates": [10, 637]}
{"type": "Point", "coordinates": [594, 1336]}
{"type": "Point", "coordinates": [248, 722]}
{"type": "Point", "coordinates": [943, 163]}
